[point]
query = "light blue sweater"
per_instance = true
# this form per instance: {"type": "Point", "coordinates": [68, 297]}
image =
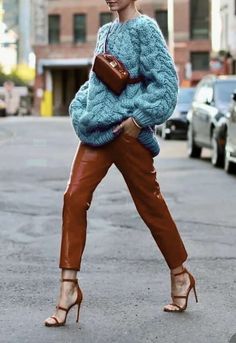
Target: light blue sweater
{"type": "Point", "coordinates": [95, 110]}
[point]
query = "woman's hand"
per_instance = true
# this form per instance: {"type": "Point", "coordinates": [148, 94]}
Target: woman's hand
{"type": "Point", "coordinates": [129, 127]}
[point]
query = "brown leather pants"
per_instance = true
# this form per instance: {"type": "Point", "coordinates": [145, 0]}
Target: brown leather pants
{"type": "Point", "coordinates": [135, 162]}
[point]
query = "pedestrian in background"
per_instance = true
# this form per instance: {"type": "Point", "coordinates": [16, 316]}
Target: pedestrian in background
{"type": "Point", "coordinates": [119, 129]}
{"type": "Point", "coordinates": [11, 98]}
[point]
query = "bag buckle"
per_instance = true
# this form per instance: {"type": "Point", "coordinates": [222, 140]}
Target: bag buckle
{"type": "Point", "coordinates": [113, 64]}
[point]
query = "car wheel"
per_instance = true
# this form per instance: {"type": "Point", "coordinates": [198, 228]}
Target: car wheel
{"type": "Point", "coordinates": [164, 135]}
{"type": "Point", "coordinates": [229, 167]}
{"type": "Point", "coordinates": [217, 158]}
{"type": "Point", "coordinates": [158, 131]}
{"type": "Point", "coordinates": [193, 150]}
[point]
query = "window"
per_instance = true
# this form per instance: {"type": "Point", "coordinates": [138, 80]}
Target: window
{"type": "Point", "coordinates": [199, 17]}
{"type": "Point", "coordinates": [224, 90]}
{"type": "Point", "coordinates": [200, 60]}
{"type": "Point", "coordinates": [79, 28]}
{"type": "Point", "coordinates": [201, 95]}
{"type": "Point", "coordinates": [53, 29]}
{"type": "Point", "coordinates": [162, 20]}
{"type": "Point", "coordinates": [209, 94]}
{"type": "Point", "coordinates": [105, 18]}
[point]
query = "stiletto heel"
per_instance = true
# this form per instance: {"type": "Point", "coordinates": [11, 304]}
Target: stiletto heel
{"type": "Point", "coordinates": [77, 302]}
{"type": "Point", "coordinates": [195, 293]}
{"type": "Point", "coordinates": [191, 286]}
{"type": "Point", "coordinates": [77, 319]}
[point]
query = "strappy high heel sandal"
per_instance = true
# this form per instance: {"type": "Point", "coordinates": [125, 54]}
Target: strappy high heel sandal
{"type": "Point", "coordinates": [191, 286]}
{"type": "Point", "coordinates": [77, 302]}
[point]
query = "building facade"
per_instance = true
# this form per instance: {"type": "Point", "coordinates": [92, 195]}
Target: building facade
{"type": "Point", "coordinates": [192, 39]}
{"type": "Point", "coordinates": [228, 32]}
{"type": "Point", "coordinates": [65, 34]}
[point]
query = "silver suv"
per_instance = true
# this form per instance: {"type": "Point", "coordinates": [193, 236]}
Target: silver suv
{"type": "Point", "coordinates": [230, 147]}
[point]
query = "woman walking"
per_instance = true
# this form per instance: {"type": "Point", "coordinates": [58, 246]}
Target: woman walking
{"type": "Point", "coordinates": [119, 129]}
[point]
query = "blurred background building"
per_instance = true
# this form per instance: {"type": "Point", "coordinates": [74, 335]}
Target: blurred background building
{"type": "Point", "coordinates": [65, 40]}
{"type": "Point", "coordinates": [228, 33]}
{"type": "Point", "coordinates": [61, 34]}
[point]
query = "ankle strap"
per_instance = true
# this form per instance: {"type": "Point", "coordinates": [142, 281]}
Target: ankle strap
{"type": "Point", "coordinates": [183, 271]}
{"type": "Point", "coordinates": [70, 280]}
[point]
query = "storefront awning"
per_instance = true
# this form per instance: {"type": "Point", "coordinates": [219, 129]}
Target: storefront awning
{"type": "Point", "coordinates": [62, 62]}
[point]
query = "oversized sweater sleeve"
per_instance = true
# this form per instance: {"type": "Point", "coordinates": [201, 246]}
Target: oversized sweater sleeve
{"type": "Point", "coordinates": [78, 105]}
{"type": "Point", "coordinates": [157, 102]}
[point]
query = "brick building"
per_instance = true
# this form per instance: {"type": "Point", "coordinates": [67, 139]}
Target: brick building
{"type": "Point", "coordinates": [228, 32]}
{"type": "Point", "coordinates": [65, 34]}
{"type": "Point", "coordinates": [192, 38]}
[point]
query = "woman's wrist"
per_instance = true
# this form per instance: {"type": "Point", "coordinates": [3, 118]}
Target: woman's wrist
{"type": "Point", "coordinates": [135, 122]}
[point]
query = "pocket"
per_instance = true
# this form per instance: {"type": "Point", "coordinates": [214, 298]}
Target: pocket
{"type": "Point", "coordinates": [124, 134]}
{"type": "Point", "coordinates": [134, 143]}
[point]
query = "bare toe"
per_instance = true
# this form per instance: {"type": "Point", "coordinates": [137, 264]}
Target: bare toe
{"type": "Point", "coordinates": [50, 320]}
{"type": "Point", "coordinates": [171, 308]}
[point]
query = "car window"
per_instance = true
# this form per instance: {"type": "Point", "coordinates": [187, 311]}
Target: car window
{"type": "Point", "coordinates": [209, 94]}
{"type": "Point", "coordinates": [204, 93]}
{"type": "Point", "coordinates": [224, 90]}
{"type": "Point", "coordinates": [185, 95]}
{"type": "Point", "coordinates": [201, 93]}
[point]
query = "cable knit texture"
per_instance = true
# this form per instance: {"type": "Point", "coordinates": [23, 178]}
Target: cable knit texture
{"type": "Point", "coordinates": [95, 110]}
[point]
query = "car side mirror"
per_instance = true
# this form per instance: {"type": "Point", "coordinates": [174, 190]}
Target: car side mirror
{"type": "Point", "coordinates": [209, 102]}
{"type": "Point", "coordinates": [234, 96]}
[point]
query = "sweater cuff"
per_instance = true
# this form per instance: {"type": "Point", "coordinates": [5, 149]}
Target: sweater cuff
{"type": "Point", "coordinates": [136, 123]}
{"type": "Point", "coordinates": [139, 117]}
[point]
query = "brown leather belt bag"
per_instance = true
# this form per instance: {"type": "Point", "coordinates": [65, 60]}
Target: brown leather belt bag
{"type": "Point", "coordinates": [112, 71]}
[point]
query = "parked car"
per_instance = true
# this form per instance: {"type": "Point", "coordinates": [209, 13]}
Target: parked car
{"type": "Point", "coordinates": [25, 105]}
{"type": "Point", "coordinates": [2, 107]}
{"type": "Point", "coordinates": [230, 147]}
{"type": "Point", "coordinates": [207, 117]}
{"type": "Point", "coordinates": [176, 125]}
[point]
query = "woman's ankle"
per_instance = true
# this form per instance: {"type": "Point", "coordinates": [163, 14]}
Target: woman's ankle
{"type": "Point", "coordinates": [68, 274]}
{"type": "Point", "coordinates": [177, 270]}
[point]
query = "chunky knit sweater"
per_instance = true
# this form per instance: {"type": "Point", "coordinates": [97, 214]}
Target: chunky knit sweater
{"type": "Point", "coordinates": [95, 110]}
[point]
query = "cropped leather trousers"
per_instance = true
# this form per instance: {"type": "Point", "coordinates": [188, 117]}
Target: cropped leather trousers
{"type": "Point", "coordinates": [135, 163]}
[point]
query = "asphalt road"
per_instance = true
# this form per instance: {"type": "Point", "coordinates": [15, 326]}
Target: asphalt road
{"type": "Point", "coordinates": [124, 278]}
